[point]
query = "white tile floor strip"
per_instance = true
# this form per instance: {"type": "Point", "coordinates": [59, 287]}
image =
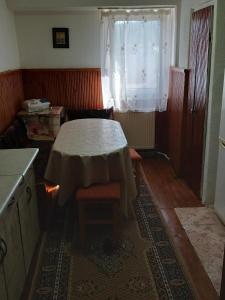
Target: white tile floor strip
{"type": "Point", "coordinates": [207, 235]}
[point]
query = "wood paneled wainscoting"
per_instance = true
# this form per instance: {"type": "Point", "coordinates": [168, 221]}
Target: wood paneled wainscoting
{"type": "Point", "coordinates": [74, 88]}
{"type": "Point", "coordinates": [81, 89]}
{"type": "Point", "coordinates": [11, 96]}
{"type": "Point", "coordinates": [71, 88]}
{"type": "Point", "coordinates": [170, 124]}
{"type": "Point", "coordinates": [176, 111]}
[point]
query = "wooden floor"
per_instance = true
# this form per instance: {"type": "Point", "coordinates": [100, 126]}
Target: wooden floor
{"type": "Point", "coordinates": [169, 192]}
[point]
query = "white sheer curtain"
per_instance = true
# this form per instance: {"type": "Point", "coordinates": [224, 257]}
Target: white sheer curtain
{"type": "Point", "coordinates": [137, 48]}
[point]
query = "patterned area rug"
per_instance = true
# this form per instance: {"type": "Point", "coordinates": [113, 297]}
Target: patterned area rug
{"type": "Point", "coordinates": [140, 265]}
{"type": "Point", "coordinates": [207, 235]}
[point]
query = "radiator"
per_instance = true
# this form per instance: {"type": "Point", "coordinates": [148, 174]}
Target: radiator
{"type": "Point", "coordinates": [139, 128]}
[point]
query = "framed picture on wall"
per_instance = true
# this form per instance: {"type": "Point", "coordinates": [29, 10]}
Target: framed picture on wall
{"type": "Point", "coordinates": [60, 37]}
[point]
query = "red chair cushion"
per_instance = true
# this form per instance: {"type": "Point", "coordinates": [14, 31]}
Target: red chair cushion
{"type": "Point", "coordinates": [110, 191]}
{"type": "Point", "coordinates": [134, 155]}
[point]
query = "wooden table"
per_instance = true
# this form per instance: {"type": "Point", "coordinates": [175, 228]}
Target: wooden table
{"type": "Point", "coordinates": [89, 151]}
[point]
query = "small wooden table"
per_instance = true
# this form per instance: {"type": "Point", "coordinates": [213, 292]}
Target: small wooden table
{"type": "Point", "coordinates": [89, 151]}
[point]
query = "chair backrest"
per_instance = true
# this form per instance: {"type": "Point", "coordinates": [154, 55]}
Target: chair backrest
{"type": "Point", "coordinates": [15, 136]}
{"type": "Point", "coordinates": [105, 113]}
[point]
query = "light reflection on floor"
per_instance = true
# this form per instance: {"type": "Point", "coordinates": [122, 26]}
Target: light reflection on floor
{"type": "Point", "coordinates": [207, 235]}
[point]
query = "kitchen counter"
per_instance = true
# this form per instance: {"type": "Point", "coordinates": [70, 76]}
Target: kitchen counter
{"type": "Point", "coordinates": [14, 164]}
{"type": "Point", "coordinates": [16, 161]}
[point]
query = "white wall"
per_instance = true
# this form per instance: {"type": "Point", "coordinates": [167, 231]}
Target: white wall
{"type": "Point", "coordinates": [9, 58]}
{"type": "Point", "coordinates": [34, 33]}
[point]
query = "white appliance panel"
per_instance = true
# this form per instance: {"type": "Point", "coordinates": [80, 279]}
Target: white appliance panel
{"type": "Point", "coordinates": [222, 121]}
{"type": "Point", "coordinates": [220, 185]}
{"type": "Point", "coordinates": [220, 179]}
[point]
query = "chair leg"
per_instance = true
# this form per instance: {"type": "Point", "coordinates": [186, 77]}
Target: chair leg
{"type": "Point", "coordinates": [115, 219]}
{"type": "Point", "coordinates": [82, 222]}
{"type": "Point", "coordinates": [137, 176]}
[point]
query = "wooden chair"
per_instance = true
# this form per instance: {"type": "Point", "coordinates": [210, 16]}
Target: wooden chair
{"type": "Point", "coordinates": [136, 161]}
{"type": "Point", "coordinates": [94, 198]}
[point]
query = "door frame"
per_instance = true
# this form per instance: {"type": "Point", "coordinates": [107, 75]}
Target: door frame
{"type": "Point", "coordinates": [200, 6]}
{"type": "Point", "coordinates": [214, 105]}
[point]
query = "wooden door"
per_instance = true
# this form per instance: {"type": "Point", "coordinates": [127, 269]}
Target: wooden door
{"type": "Point", "coordinates": [199, 64]}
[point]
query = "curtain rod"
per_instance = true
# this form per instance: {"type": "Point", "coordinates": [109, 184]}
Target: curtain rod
{"type": "Point", "coordinates": [136, 7]}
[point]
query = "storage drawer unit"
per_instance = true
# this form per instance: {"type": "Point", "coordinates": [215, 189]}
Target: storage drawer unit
{"type": "Point", "coordinates": [43, 125]}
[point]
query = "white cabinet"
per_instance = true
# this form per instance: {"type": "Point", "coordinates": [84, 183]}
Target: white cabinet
{"type": "Point", "coordinates": [19, 227]}
{"type": "Point", "coordinates": [3, 292]}
{"type": "Point", "coordinates": [220, 179]}
{"type": "Point", "coordinates": [13, 263]}
{"type": "Point", "coordinates": [29, 219]}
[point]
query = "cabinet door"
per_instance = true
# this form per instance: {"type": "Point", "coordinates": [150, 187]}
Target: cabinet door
{"type": "Point", "coordinates": [13, 263]}
{"type": "Point", "coordinates": [34, 209]}
{"type": "Point", "coordinates": [3, 293]}
{"type": "Point", "coordinates": [29, 221]}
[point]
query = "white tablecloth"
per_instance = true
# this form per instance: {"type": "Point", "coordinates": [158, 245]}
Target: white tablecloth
{"type": "Point", "coordinates": [91, 151]}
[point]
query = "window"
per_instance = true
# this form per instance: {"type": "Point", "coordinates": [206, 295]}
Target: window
{"type": "Point", "coordinates": [137, 50]}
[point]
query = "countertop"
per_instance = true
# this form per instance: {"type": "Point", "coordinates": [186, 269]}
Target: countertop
{"type": "Point", "coordinates": [16, 161]}
{"type": "Point", "coordinates": [14, 164]}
